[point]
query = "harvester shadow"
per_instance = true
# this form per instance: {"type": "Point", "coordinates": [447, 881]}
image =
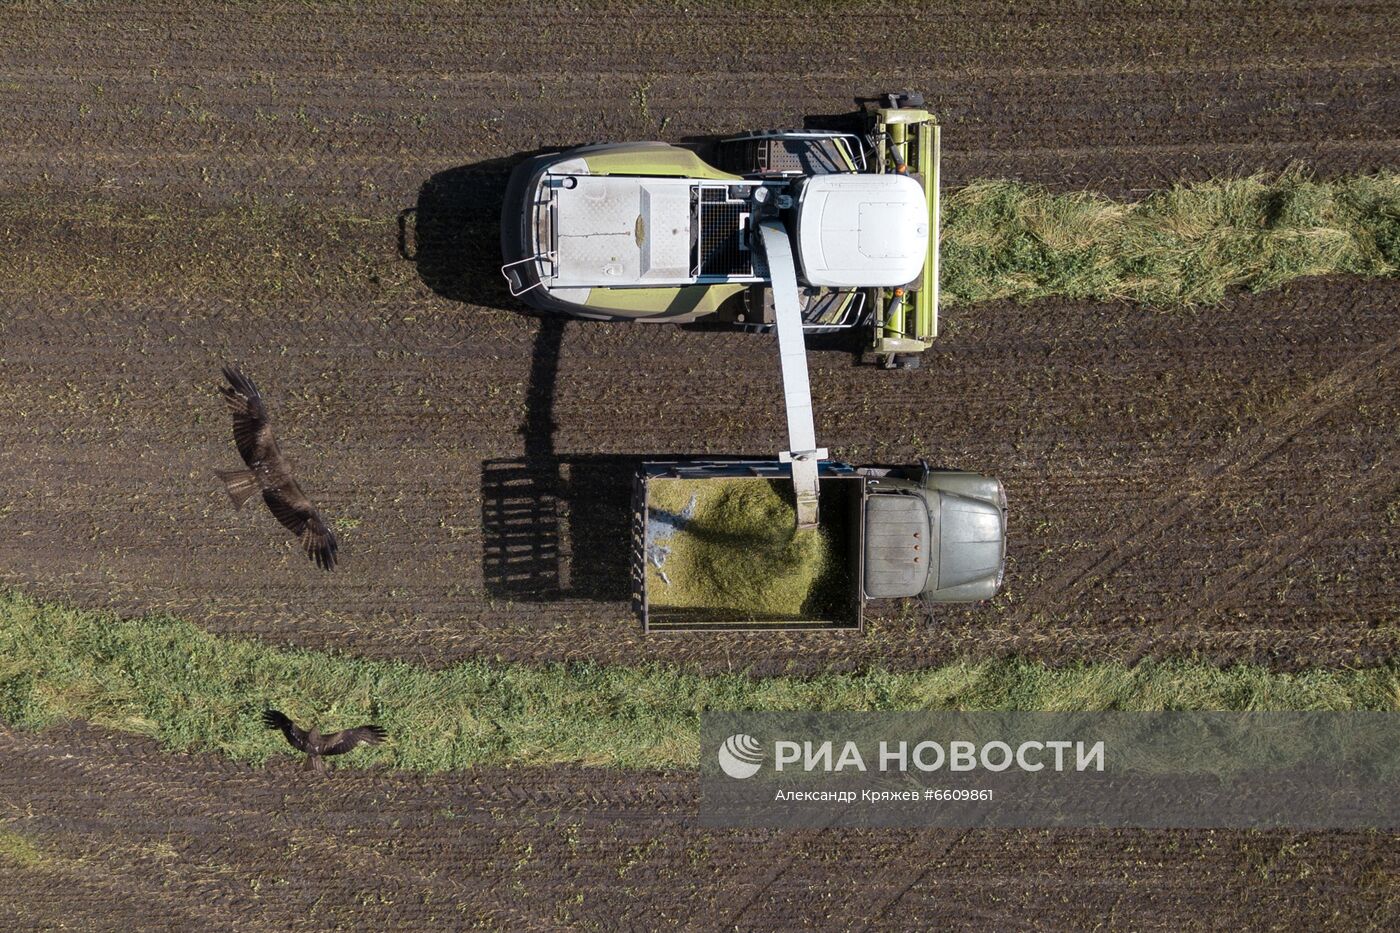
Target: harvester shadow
{"type": "Point", "coordinates": [555, 525]}
{"type": "Point", "coordinates": [452, 234]}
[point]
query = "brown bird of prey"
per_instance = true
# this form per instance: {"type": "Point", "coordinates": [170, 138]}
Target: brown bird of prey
{"type": "Point", "coordinates": [315, 745]}
{"type": "Point", "coordinates": [269, 472]}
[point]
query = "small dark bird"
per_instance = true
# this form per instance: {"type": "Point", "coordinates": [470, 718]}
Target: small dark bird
{"type": "Point", "coordinates": [315, 745]}
{"type": "Point", "coordinates": [269, 472]}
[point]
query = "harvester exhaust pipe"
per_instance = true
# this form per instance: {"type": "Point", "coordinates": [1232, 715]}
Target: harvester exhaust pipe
{"type": "Point", "coordinates": [802, 452]}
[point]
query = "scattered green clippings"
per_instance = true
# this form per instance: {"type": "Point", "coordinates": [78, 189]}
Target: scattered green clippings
{"type": "Point", "coordinates": [736, 547]}
{"type": "Point", "coordinates": [18, 850]}
{"type": "Point", "coordinates": [167, 679]}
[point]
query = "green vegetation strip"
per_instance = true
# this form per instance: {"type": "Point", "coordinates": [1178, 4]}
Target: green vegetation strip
{"type": "Point", "coordinates": [193, 691]}
{"type": "Point", "coordinates": [1181, 246]}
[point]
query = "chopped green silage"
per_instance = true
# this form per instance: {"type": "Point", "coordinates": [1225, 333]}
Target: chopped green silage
{"type": "Point", "coordinates": [18, 850]}
{"type": "Point", "coordinates": [739, 552]}
{"type": "Point", "coordinates": [1187, 245]}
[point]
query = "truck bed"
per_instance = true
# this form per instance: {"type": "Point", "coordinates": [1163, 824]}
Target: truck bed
{"type": "Point", "coordinates": [714, 551]}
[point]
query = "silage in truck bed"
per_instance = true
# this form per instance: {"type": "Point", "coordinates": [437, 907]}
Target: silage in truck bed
{"type": "Point", "coordinates": [729, 548]}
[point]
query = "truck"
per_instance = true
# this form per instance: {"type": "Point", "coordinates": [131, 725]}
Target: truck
{"type": "Point", "coordinates": [893, 532]}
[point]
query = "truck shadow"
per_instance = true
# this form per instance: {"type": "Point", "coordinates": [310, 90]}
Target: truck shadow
{"type": "Point", "coordinates": [555, 525]}
{"type": "Point", "coordinates": [558, 529]}
{"type": "Point", "coordinates": [558, 525]}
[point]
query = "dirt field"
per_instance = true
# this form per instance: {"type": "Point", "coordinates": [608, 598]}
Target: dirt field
{"type": "Point", "coordinates": [363, 102]}
{"type": "Point", "coordinates": [128, 834]}
{"type": "Point", "coordinates": [1220, 482]}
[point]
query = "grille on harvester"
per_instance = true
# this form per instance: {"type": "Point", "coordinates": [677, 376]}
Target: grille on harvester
{"type": "Point", "coordinates": [800, 156]}
{"type": "Point", "coordinates": [721, 247]}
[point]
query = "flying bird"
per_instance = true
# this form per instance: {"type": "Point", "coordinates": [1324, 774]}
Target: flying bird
{"type": "Point", "coordinates": [269, 472]}
{"type": "Point", "coordinates": [316, 745]}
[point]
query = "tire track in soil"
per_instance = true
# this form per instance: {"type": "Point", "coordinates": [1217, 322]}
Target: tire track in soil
{"type": "Point", "coordinates": [1241, 456]}
{"type": "Point", "coordinates": [78, 887]}
{"type": "Point", "coordinates": [1301, 535]}
{"type": "Point", "coordinates": [881, 909]}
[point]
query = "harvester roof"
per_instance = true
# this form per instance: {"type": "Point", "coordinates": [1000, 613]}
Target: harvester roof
{"type": "Point", "coordinates": [857, 231]}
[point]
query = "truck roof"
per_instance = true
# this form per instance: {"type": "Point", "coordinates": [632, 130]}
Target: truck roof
{"type": "Point", "coordinates": [897, 545]}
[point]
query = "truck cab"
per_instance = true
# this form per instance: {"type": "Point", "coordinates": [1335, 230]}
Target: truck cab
{"type": "Point", "coordinates": [939, 535]}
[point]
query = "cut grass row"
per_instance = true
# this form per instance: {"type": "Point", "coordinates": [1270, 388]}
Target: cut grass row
{"type": "Point", "coordinates": [1187, 245]}
{"type": "Point", "coordinates": [192, 691]}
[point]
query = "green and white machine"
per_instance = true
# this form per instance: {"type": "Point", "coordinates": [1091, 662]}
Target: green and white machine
{"type": "Point", "coordinates": [649, 231]}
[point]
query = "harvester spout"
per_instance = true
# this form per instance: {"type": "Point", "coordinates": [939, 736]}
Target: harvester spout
{"type": "Point", "coordinates": [802, 452]}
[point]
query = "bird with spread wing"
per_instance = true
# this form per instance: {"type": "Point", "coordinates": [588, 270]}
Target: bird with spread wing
{"type": "Point", "coordinates": [269, 472]}
{"type": "Point", "coordinates": [316, 745]}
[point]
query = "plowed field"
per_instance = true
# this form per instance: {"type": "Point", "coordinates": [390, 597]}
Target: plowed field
{"type": "Point", "coordinates": [1219, 482]}
{"type": "Point", "coordinates": [132, 837]}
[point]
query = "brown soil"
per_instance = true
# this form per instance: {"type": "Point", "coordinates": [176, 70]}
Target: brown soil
{"type": "Point", "coordinates": [1220, 482]}
{"type": "Point", "coordinates": [133, 837]}
{"type": "Point", "coordinates": [361, 102]}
